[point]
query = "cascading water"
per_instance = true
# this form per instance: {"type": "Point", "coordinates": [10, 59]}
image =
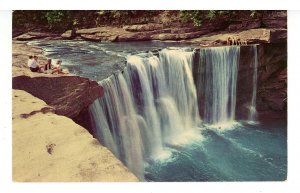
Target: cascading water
{"type": "Point", "coordinates": [147, 107]}
{"type": "Point", "coordinates": [217, 84]}
{"type": "Point", "coordinates": [148, 116]}
{"type": "Point", "coordinates": [252, 108]}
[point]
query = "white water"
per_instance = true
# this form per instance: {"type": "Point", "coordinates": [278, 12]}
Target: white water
{"type": "Point", "coordinates": [252, 109]}
{"type": "Point", "coordinates": [221, 69]}
{"type": "Point", "coordinates": [151, 104]}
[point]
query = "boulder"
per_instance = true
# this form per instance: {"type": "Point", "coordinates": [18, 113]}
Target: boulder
{"type": "Point", "coordinates": [69, 34]}
{"type": "Point", "coordinates": [101, 33]}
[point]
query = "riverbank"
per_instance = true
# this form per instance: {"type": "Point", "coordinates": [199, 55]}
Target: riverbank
{"type": "Point", "coordinates": [48, 147]}
{"type": "Point", "coordinates": [262, 27]}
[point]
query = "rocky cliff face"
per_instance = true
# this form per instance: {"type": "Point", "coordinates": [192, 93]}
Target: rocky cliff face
{"type": "Point", "coordinates": [274, 22]}
{"type": "Point", "coordinates": [68, 95]}
{"type": "Point", "coordinates": [271, 103]}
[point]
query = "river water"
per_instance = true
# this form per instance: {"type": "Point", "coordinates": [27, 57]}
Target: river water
{"type": "Point", "coordinates": [148, 118]}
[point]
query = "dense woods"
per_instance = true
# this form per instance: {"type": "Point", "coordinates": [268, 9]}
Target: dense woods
{"type": "Point", "coordinates": [60, 20]}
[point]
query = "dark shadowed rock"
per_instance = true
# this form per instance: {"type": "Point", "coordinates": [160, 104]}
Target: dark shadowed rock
{"type": "Point", "coordinates": [243, 25]}
{"type": "Point", "coordinates": [271, 102]}
{"type": "Point", "coordinates": [67, 94]}
{"type": "Point", "coordinates": [275, 19]}
{"type": "Point", "coordinates": [278, 35]}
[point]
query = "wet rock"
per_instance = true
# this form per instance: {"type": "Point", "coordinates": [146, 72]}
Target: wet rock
{"type": "Point", "coordinates": [271, 101]}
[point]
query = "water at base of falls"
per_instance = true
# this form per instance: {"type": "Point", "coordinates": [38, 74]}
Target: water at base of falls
{"type": "Point", "coordinates": [149, 106]}
{"type": "Point", "coordinates": [176, 150]}
{"type": "Point", "coordinates": [245, 153]}
{"type": "Point", "coordinates": [149, 118]}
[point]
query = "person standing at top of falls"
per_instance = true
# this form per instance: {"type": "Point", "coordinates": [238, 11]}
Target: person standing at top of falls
{"type": "Point", "coordinates": [48, 65]}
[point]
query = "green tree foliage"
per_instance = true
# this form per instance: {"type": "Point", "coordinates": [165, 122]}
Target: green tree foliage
{"type": "Point", "coordinates": [59, 20]}
{"type": "Point", "coordinates": [54, 18]}
{"type": "Point", "coordinates": [199, 16]}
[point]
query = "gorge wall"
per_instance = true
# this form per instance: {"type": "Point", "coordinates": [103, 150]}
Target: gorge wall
{"type": "Point", "coordinates": [271, 94]}
{"type": "Point", "coordinates": [68, 95]}
{"type": "Point", "coordinates": [168, 25]}
{"type": "Point", "coordinates": [271, 103]}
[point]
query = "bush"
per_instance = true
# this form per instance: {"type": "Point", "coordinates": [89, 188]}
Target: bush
{"type": "Point", "coordinates": [199, 16]}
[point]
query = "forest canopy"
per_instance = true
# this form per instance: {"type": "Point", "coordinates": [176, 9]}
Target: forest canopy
{"type": "Point", "coordinates": [59, 20]}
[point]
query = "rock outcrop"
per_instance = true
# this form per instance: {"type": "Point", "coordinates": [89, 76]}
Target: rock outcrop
{"type": "Point", "coordinates": [67, 94]}
{"type": "Point", "coordinates": [168, 26]}
{"type": "Point", "coordinates": [271, 102]}
{"type": "Point", "coordinates": [143, 27]}
{"type": "Point", "coordinates": [261, 35]}
{"type": "Point", "coordinates": [36, 35]}
{"type": "Point", "coordinates": [50, 148]}
{"type": "Point", "coordinates": [70, 34]}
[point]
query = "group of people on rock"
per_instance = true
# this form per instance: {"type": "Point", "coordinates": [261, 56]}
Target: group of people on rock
{"type": "Point", "coordinates": [236, 41]}
{"type": "Point", "coordinates": [34, 66]}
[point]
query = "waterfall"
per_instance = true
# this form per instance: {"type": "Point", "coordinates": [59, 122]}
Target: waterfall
{"type": "Point", "coordinates": [217, 83]}
{"type": "Point", "coordinates": [252, 108]}
{"type": "Point", "coordinates": [152, 104]}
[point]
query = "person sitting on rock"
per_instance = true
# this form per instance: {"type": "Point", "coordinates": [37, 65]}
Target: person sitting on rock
{"type": "Point", "coordinates": [34, 65]}
{"type": "Point", "coordinates": [57, 69]}
{"type": "Point", "coordinates": [48, 65]}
